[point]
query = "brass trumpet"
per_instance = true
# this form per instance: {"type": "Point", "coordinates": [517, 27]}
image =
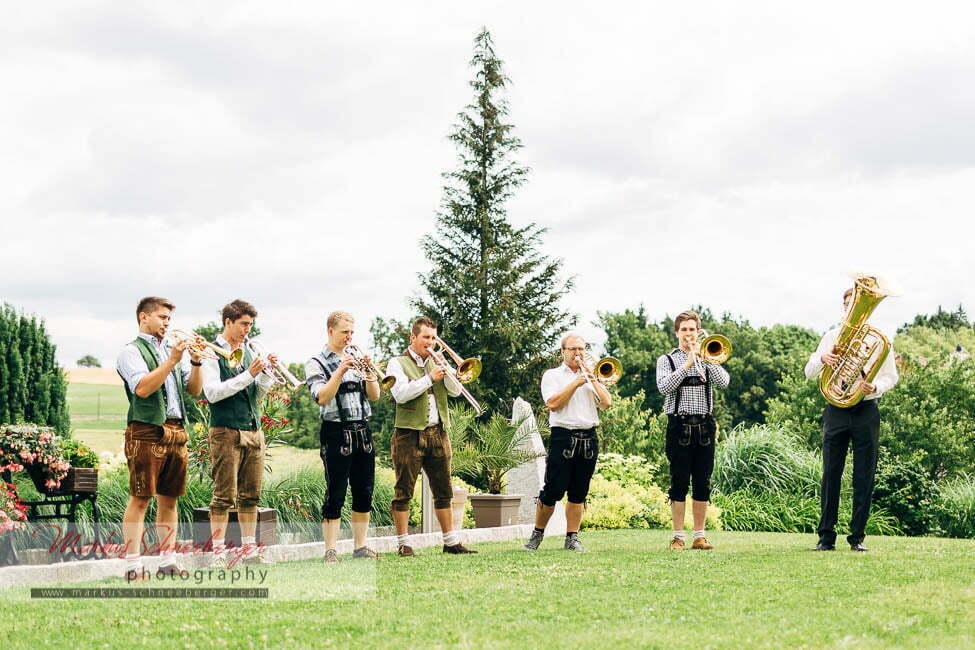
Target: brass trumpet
{"type": "Point", "coordinates": [467, 369]}
{"type": "Point", "coordinates": [364, 367]}
{"type": "Point", "coordinates": [204, 348]}
{"type": "Point", "coordinates": [715, 348]}
{"type": "Point", "coordinates": [470, 368]}
{"type": "Point", "coordinates": [607, 371]}
{"type": "Point", "coordinates": [276, 371]}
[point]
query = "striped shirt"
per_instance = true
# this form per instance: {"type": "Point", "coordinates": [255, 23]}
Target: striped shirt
{"type": "Point", "coordinates": [694, 400]}
{"type": "Point", "coordinates": [318, 370]}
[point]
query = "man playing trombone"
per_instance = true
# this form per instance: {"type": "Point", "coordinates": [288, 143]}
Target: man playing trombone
{"type": "Point", "coordinates": [686, 381]}
{"type": "Point", "coordinates": [420, 439]}
{"type": "Point", "coordinates": [572, 395]}
{"type": "Point", "coordinates": [154, 378]}
{"type": "Point", "coordinates": [343, 393]}
{"type": "Point", "coordinates": [237, 444]}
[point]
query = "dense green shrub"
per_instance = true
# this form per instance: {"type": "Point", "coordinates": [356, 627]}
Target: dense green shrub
{"type": "Point", "coordinates": [612, 505]}
{"type": "Point", "coordinates": [903, 488]}
{"type": "Point", "coordinates": [787, 512]}
{"type": "Point", "coordinates": [32, 385]}
{"type": "Point", "coordinates": [626, 470]}
{"type": "Point", "coordinates": [764, 458]}
{"type": "Point", "coordinates": [955, 507]}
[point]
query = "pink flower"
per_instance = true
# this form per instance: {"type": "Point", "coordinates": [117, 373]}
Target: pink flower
{"type": "Point", "coordinates": [51, 483]}
{"type": "Point", "coordinates": [45, 437]}
{"type": "Point", "coordinates": [26, 455]}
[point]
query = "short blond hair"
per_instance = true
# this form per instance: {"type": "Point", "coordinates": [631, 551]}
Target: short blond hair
{"type": "Point", "coordinates": [337, 317]}
{"type": "Point", "coordinates": [565, 339]}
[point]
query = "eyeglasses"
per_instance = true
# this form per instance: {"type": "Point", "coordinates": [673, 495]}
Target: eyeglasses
{"type": "Point", "coordinates": [583, 349]}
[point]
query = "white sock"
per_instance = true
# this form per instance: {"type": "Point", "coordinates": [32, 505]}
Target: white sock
{"type": "Point", "coordinates": [168, 557]}
{"type": "Point", "coordinates": [401, 539]}
{"type": "Point", "coordinates": [451, 538]}
{"type": "Point", "coordinates": [679, 534]}
{"type": "Point", "coordinates": [698, 534]}
{"type": "Point", "coordinates": [133, 562]}
{"type": "Point", "coordinates": [219, 547]}
{"type": "Point", "coordinates": [244, 541]}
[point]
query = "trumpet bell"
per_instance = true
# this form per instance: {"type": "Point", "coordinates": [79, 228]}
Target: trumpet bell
{"type": "Point", "coordinates": [469, 370]}
{"type": "Point", "coordinates": [716, 349]}
{"type": "Point", "coordinates": [608, 370]}
{"type": "Point", "coordinates": [387, 382]}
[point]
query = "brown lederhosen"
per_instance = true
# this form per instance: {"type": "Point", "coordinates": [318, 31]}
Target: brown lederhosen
{"type": "Point", "coordinates": [428, 450]}
{"type": "Point", "coordinates": [238, 468]}
{"type": "Point", "coordinates": [154, 467]}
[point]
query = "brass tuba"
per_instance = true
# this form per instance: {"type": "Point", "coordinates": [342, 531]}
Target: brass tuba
{"type": "Point", "coordinates": [715, 348]}
{"type": "Point", "coordinates": [861, 348]}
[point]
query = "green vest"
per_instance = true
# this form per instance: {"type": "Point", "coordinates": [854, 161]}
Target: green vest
{"type": "Point", "coordinates": [239, 411]}
{"type": "Point", "coordinates": [415, 413]}
{"type": "Point", "coordinates": [151, 409]}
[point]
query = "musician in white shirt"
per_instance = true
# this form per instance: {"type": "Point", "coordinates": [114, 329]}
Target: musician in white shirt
{"type": "Point", "coordinates": [572, 394]}
{"type": "Point", "coordinates": [859, 425]}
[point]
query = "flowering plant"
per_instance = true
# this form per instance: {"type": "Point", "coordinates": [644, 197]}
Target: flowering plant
{"type": "Point", "coordinates": [23, 445]}
{"type": "Point", "coordinates": [274, 409]}
{"type": "Point", "coordinates": [13, 513]}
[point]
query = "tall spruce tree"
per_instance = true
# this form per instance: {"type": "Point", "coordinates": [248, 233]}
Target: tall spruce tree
{"type": "Point", "coordinates": [493, 292]}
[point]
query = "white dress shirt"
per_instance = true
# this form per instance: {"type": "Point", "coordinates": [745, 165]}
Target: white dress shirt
{"type": "Point", "coordinates": [884, 380]}
{"type": "Point", "coordinates": [405, 390]}
{"type": "Point", "coordinates": [580, 411]}
{"type": "Point", "coordinates": [215, 390]}
{"type": "Point", "coordinates": [132, 368]}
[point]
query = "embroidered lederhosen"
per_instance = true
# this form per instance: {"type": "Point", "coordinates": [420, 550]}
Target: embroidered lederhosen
{"type": "Point", "coordinates": [582, 443]}
{"type": "Point", "coordinates": [693, 426]}
{"type": "Point", "coordinates": [355, 432]}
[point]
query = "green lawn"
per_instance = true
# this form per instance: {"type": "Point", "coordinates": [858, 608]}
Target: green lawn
{"type": "Point", "coordinates": [756, 589]}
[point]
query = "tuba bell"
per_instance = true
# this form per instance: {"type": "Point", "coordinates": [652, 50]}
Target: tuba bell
{"type": "Point", "coordinates": [862, 348]}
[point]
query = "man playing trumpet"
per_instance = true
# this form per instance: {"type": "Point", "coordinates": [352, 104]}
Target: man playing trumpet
{"type": "Point", "coordinates": [687, 381]}
{"type": "Point", "coordinates": [572, 394]}
{"type": "Point", "coordinates": [154, 378]}
{"type": "Point", "coordinates": [343, 394]}
{"type": "Point", "coordinates": [420, 439]}
{"type": "Point", "coordinates": [237, 444]}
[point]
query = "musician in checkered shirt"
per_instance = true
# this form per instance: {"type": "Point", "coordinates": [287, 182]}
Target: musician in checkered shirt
{"type": "Point", "coordinates": [687, 383]}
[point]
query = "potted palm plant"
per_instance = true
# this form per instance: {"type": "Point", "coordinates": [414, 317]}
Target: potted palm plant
{"type": "Point", "coordinates": [486, 452]}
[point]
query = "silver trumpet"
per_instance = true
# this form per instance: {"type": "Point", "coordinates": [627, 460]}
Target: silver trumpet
{"type": "Point", "coordinates": [440, 360]}
{"type": "Point", "coordinates": [276, 371]}
{"type": "Point", "coordinates": [364, 367]}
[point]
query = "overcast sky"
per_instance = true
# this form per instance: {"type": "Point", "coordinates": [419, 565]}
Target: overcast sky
{"type": "Point", "coordinates": [738, 155]}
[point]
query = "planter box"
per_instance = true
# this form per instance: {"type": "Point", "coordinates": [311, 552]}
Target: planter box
{"type": "Point", "coordinates": [266, 533]}
{"type": "Point", "coordinates": [78, 480]}
{"type": "Point", "coordinates": [493, 510]}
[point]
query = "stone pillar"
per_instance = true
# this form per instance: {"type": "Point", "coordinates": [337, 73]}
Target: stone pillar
{"type": "Point", "coordinates": [527, 479]}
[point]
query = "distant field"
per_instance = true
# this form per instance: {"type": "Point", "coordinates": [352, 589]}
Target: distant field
{"type": "Point", "coordinates": [98, 419]}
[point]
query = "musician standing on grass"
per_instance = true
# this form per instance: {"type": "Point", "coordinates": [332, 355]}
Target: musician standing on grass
{"type": "Point", "coordinates": [687, 382]}
{"type": "Point", "coordinates": [346, 447]}
{"type": "Point", "coordinates": [420, 439]}
{"type": "Point", "coordinates": [237, 444]}
{"type": "Point", "coordinates": [859, 425]}
{"type": "Point", "coordinates": [154, 378]}
{"type": "Point", "coordinates": [572, 395]}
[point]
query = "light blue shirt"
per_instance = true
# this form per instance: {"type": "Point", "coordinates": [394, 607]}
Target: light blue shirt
{"type": "Point", "coordinates": [132, 368]}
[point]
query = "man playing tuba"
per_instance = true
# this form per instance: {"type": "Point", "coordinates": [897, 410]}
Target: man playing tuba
{"type": "Point", "coordinates": [858, 423]}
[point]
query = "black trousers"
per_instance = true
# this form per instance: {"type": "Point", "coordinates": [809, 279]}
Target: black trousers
{"type": "Point", "coordinates": [690, 450]}
{"type": "Point", "coordinates": [859, 426]}
{"type": "Point", "coordinates": [569, 466]}
{"type": "Point", "coordinates": [350, 461]}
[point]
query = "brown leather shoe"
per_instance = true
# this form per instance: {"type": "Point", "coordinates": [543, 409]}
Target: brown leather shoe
{"type": "Point", "coordinates": [457, 549]}
{"type": "Point", "coordinates": [702, 544]}
{"type": "Point", "coordinates": [405, 551]}
{"type": "Point", "coordinates": [677, 544]}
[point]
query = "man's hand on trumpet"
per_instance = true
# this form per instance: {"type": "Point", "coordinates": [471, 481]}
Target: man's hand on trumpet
{"type": "Point", "coordinates": [256, 367]}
